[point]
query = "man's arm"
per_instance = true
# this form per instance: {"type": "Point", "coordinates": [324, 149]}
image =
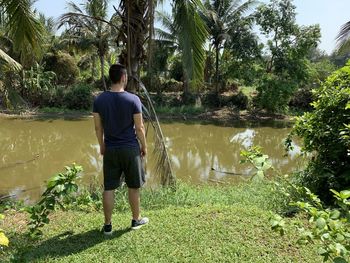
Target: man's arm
{"type": "Point", "coordinates": [140, 132]}
{"type": "Point", "coordinates": [99, 131]}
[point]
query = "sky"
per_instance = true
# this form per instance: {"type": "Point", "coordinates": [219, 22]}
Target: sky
{"type": "Point", "coordinates": [329, 14]}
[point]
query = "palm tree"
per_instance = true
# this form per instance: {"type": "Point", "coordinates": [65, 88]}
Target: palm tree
{"type": "Point", "coordinates": [88, 27]}
{"type": "Point", "coordinates": [137, 25]}
{"type": "Point", "coordinates": [220, 16]}
{"type": "Point", "coordinates": [21, 26]}
{"type": "Point", "coordinates": [169, 35]}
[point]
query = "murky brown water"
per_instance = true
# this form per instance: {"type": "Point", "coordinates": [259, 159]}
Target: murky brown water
{"type": "Point", "coordinates": [31, 151]}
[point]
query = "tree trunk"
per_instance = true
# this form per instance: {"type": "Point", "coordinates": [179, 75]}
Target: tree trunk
{"type": "Point", "coordinates": [185, 83]}
{"type": "Point", "coordinates": [93, 68]}
{"type": "Point", "coordinates": [216, 69]}
{"type": "Point", "coordinates": [102, 59]}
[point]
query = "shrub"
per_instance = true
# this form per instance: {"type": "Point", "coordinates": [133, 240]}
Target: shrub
{"type": "Point", "coordinates": [65, 67]}
{"type": "Point", "coordinates": [38, 85]}
{"type": "Point", "coordinates": [240, 100]}
{"type": "Point", "coordinates": [325, 135]}
{"type": "Point", "coordinates": [79, 97]}
{"type": "Point", "coordinates": [58, 187]}
{"type": "Point", "coordinates": [211, 99]}
{"type": "Point", "coordinates": [302, 98]}
{"type": "Point", "coordinates": [274, 92]}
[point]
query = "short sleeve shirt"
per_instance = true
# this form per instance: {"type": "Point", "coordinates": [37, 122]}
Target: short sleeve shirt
{"type": "Point", "coordinates": [116, 110]}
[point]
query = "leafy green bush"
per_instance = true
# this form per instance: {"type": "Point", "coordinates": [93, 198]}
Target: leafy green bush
{"type": "Point", "coordinates": [324, 133]}
{"type": "Point", "coordinates": [37, 84]}
{"type": "Point", "coordinates": [274, 92]}
{"type": "Point", "coordinates": [64, 65]}
{"type": "Point", "coordinates": [58, 187]}
{"type": "Point", "coordinates": [79, 97]}
{"type": "Point", "coordinates": [328, 228]}
{"type": "Point", "coordinates": [239, 100]}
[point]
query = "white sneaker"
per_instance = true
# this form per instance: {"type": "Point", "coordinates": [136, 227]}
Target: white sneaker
{"type": "Point", "coordinates": [136, 224]}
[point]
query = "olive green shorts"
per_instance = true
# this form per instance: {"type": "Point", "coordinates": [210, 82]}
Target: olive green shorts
{"type": "Point", "coordinates": [124, 161]}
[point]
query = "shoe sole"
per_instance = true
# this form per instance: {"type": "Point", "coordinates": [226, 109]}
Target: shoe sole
{"type": "Point", "coordinates": [107, 233]}
{"type": "Point", "coordinates": [137, 227]}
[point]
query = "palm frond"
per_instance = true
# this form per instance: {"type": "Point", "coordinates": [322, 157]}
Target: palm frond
{"type": "Point", "coordinates": [343, 37]}
{"type": "Point", "coordinates": [13, 64]}
{"type": "Point", "coordinates": [163, 161]}
{"type": "Point", "coordinates": [163, 35]}
{"type": "Point", "coordinates": [24, 29]}
{"type": "Point", "coordinates": [238, 11]}
{"type": "Point", "coordinates": [192, 36]}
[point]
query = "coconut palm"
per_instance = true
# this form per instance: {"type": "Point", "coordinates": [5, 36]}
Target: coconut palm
{"type": "Point", "coordinates": [220, 16]}
{"type": "Point", "coordinates": [89, 27]}
{"type": "Point", "coordinates": [191, 31]}
{"type": "Point", "coordinates": [170, 36]}
{"type": "Point", "coordinates": [21, 26]}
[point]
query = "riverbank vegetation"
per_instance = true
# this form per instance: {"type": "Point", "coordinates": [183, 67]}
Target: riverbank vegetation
{"type": "Point", "coordinates": [235, 70]}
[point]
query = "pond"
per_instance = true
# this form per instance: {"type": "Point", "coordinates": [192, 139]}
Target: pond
{"type": "Point", "coordinates": [32, 150]}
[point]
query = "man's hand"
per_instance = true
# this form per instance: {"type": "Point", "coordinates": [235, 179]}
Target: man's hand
{"type": "Point", "coordinates": [143, 151]}
{"type": "Point", "coordinates": [102, 149]}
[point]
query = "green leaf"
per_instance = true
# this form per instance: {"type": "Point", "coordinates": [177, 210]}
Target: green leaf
{"type": "Point", "coordinates": [335, 214]}
{"type": "Point", "coordinates": [322, 251]}
{"type": "Point", "coordinates": [345, 194]}
{"type": "Point", "coordinates": [339, 260]}
{"type": "Point", "coordinates": [59, 188]}
{"type": "Point", "coordinates": [340, 248]}
{"type": "Point", "coordinates": [340, 238]}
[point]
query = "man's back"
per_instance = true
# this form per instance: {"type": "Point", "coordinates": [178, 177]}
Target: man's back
{"type": "Point", "coordinates": [116, 110]}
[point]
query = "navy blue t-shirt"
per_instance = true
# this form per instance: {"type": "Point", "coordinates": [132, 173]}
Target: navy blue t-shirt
{"type": "Point", "coordinates": [116, 110]}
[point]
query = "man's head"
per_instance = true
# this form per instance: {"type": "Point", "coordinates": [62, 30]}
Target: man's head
{"type": "Point", "coordinates": [118, 74]}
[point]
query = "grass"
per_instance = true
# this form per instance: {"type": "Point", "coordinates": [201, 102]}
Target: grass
{"type": "Point", "coordinates": [193, 224]}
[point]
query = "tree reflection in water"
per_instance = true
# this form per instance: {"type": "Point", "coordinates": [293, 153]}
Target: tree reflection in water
{"type": "Point", "coordinates": [194, 150]}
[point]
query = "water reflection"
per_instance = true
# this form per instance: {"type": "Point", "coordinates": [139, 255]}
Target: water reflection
{"type": "Point", "coordinates": [199, 152]}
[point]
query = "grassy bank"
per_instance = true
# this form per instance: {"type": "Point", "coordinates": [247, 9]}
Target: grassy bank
{"type": "Point", "coordinates": [193, 224]}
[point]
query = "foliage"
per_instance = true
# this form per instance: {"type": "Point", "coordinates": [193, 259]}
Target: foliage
{"type": "Point", "coordinates": [324, 133]}
{"type": "Point", "coordinates": [274, 92]}
{"type": "Point", "coordinates": [259, 161]}
{"type": "Point", "coordinates": [286, 64]}
{"type": "Point", "coordinates": [329, 227]}
{"type": "Point", "coordinates": [175, 69]}
{"type": "Point", "coordinates": [90, 29]}
{"type": "Point", "coordinates": [319, 71]}
{"type": "Point", "coordinates": [3, 238]}
{"type": "Point", "coordinates": [64, 66]}
{"type": "Point", "coordinates": [78, 97]}
{"type": "Point", "coordinates": [23, 28]}
{"type": "Point", "coordinates": [58, 187]}
{"type": "Point", "coordinates": [188, 40]}
{"type": "Point", "coordinates": [37, 84]}
{"type": "Point", "coordinates": [225, 22]}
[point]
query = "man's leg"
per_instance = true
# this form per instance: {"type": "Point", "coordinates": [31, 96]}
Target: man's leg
{"type": "Point", "coordinates": [108, 204]}
{"type": "Point", "coordinates": [134, 201]}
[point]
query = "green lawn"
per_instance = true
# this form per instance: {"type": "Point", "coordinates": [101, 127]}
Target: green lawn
{"type": "Point", "coordinates": [232, 227]}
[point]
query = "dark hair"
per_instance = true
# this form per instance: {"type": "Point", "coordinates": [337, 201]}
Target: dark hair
{"type": "Point", "coordinates": [116, 71]}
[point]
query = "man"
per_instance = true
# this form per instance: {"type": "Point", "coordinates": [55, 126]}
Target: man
{"type": "Point", "coordinates": [118, 124]}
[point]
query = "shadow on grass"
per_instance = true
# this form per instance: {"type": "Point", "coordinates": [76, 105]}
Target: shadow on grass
{"type": "Point", "coordinates": [69, 243]}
